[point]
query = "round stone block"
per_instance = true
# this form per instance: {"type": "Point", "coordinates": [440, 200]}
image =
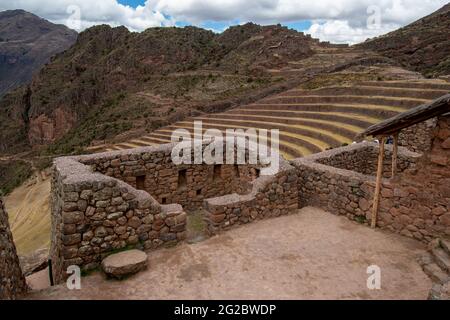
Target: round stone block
{"type": "Point", "coordinates": [119, 265]}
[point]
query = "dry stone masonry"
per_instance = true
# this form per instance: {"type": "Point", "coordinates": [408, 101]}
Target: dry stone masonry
{"type": "Point", "coordinates": [93, 215]}
{"type": "Point", "coordinates": [418, 137]}
{"type": "Point", "coordinates": [415, 204]}
{"type": "Point", "coordinates": [12, 281]}
{"type": "Point", "coordinates": [184, 184]}
{"type": "Point", "coordinates": [106, 202]}
{"type": "Point", "coordinates": [271, 196]}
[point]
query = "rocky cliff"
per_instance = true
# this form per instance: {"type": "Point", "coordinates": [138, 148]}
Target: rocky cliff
{"type": "Point", "coordinates": [112, 80]}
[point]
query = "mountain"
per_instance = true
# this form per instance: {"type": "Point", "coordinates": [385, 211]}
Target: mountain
{"type": "Point", "coordinates": [27, 42]}
{"type": "Point", "coordinates": [422, 46]}
{"type": "Point", "coordinates": [113, 80]}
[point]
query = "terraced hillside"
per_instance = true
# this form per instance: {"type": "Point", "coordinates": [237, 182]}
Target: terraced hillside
{"type": "Point", "coordinates": [311, 121]}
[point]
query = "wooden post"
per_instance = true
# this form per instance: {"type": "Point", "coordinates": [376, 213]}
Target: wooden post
{"type": "Point", "coordinates": [376, 198]}
{"type": "Point", "coordinates": [394, 155]}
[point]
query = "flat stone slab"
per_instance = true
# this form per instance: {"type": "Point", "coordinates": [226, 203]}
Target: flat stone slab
{"type": "Point", "coordinates": [124, 263]}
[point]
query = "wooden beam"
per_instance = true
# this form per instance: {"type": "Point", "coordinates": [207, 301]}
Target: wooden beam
{"type": "Point", "coordinates": [376, 198]}
{"type": "Point", "coordinates": [394, 155]}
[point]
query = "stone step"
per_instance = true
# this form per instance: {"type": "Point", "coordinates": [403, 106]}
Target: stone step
{"type": "Point", "coordinates": [341, 117]}
{"type": "Point", "coordinates": [424, 84]}
{"type": "Point", "coordinates": [378, 111]}
{"type": "Point", "coordinates": [292, 145]}
{"type": "Point", "coordinates": [435, 273]}
{"type": "Point", "coordinates": [442, 259]}
{"type": "Point", "coordinates": [445, 245]}
{"type": "Point", "coordinates": [371, 91]}
{"type": "Point", "coordinates": [336, 126]}
{"type": "Point", "coordinates": [440, 291]}
{"type": "Point", "coordinates": [345, 99]}
{"type": "Point", "coordinates": [287, 150]}
{"type": "Point", "coordinates": [317, 136]}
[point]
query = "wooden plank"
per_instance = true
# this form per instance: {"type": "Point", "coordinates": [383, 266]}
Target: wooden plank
{"type": "Point", "coordinates": [376, 199]}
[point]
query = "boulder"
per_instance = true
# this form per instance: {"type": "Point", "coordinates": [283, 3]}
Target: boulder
{"type": "Point", "coordinates": [124, 263]}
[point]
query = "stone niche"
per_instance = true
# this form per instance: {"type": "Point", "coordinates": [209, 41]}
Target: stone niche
{"type": "Point", "coordinates": [105, 202]}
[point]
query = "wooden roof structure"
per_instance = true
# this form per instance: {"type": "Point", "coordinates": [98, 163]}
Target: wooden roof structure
{"type": "Point", "coordinates": [408, 118]}
{"type": "Point", "coordinates": [392, 127]}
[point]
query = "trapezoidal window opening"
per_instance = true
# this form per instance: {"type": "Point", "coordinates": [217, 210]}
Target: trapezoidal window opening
{"type": "Point", "coordinates": [236, 171]}
{"type": "Point", "coordinates": [182, 179]}
{"type": "Point", "coordinates": [217, 172]}
{"type": "Point", "coordinates": [140, 182]}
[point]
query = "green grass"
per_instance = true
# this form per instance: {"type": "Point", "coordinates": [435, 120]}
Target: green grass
{"type": "Point", "coordinates": [196, 226]}
{"type": "Point", "coordinates": [13, 174]}
{"type": "Point", "coordinates": [361, 219]}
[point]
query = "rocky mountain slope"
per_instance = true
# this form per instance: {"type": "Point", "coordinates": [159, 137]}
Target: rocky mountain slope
{"type": "Point", "coordinates": [113, 80]}
{"type": "Point", "coordinates": [114, 85]}
{"type": "Point", "coordinates": [27, 42]}
{"type": "Point", "coordinates": [422, 46]}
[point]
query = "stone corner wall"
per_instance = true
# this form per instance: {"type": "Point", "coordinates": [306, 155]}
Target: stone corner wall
{"type": "Point", "coordinates": [12, 280]}
{"type": "Point", "coordinates": [417, 208]}
{"type": "Point", "coordinates": [336, 190]}
{"type": "Point", "coordinates": [270, 196]}
{"type": "Point", "coordinates": [418, 137]}
{"type": "Point", "coordinates": [94, 215]}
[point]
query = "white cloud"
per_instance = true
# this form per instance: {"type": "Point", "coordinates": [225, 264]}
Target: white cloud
{"type": "Point", "coordinates": [400, 11]}
{"type": "Point", "coordinates": [91, 12]}
{"type": "Point", "coordinates": [339, 31]}
{"type": "Point", "coordinates": [333, 20]}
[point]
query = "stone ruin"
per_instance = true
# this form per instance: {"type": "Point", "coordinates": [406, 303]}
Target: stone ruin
{"type": "Point", "coordinates": [12, 281]}
{"type": "Point", "coordinates": [106, 202]}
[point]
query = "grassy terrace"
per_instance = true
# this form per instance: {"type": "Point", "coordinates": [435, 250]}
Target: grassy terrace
{"type": "Point", "coordinates": [311, 120]}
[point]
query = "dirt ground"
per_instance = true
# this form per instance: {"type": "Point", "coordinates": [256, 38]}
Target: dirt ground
{"type": "Point", "coordinates": [309, 255]}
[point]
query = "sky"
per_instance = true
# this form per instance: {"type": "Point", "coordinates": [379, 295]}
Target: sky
{"type": "Point", "coordinates": [338, 21]}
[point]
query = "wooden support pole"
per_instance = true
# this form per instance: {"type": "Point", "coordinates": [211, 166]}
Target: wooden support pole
{"type": "Point", "coordinates": [394, 155]}
{"type": "Point", "coordinates": [376, 198]}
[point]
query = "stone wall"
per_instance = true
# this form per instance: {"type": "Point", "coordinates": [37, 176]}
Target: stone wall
{"type": "Point", "coordinates": [418, 137]}
{"type": "Point", "coordinates": [98, 209]}
{"type": "Point", "coordinates": [413, 207]}
{"type": "Point", "coordinates": [131, 198]}
{"type": "Point", "coordinates": [437, 161]}
{"type": "Point", "coordinates": [270, 196]}
{"type": "Point", "coordinates": [12, 281]}
{"type": "Point", "coordinates": [185, 184]}
{"type": "Point", "coordinates": [364, 159]}
{"type": "Point", "coordinates": [94, 215]}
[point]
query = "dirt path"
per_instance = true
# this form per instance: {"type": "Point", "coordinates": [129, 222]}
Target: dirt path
{"type": "Point", "coordinates": [309, 255]}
